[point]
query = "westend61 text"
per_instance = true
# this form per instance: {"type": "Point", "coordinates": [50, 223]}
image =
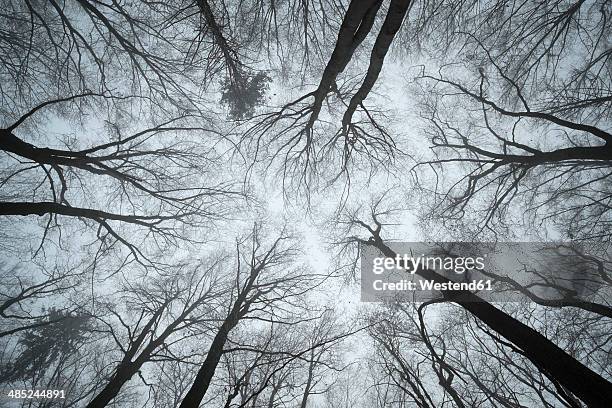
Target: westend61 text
{"type": "Point", "coordinates": [406, 285]}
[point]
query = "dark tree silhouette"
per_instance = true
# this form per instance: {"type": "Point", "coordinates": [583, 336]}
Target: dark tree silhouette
{"type": "Point", "coordinates": [543, 353]}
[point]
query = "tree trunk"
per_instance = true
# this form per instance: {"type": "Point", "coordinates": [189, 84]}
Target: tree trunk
{"type": "Point", "coordinates": [110, 391]}
{"type": "Point", "coordinates": [202, 381]}
{"type": "Point", "coordinates": [393, 22]}
{"type": "Point", "coordinates": [308, 381]}
{"type": "Point", "coordinates": [580, 380]}
{"type": "Point", "coordinates": [356, 25]}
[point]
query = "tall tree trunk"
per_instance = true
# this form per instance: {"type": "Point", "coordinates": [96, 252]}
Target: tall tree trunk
{"type": "Point", "coordinates": [112, 388]}
{"type": "Point", "coordinates": [356, 25]}
{"type": "Point", "coordinates": [200, 385]}
{"type": "Point", "coordinates": [130, 365]}
{"type": "Point", "coordinates": [230, 56]}
{"type": "Point", "coordinates": [202, 381]}
{"type": "Point", "coordinates": [393, 22]}
{"type": "Point", "coordinates": [308, 387]}
{"type": "Point", "coordinates": [580, 380]}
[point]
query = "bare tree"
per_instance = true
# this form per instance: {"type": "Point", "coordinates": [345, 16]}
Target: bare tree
{"type": "Point", "coordinates": [287, 364]}
{"type": "Point", "coordinates": [173, 308]}
{"type": "Point", "coordinates": [292, 128]}
{"type": "Point", "coordinates": [543, 353]}
{"type": "Point", "coordinates": [22, 293]}
{"type": "Point", "coordinates": [523, 129]}
{"type": "Point", "coordinates": [470, 364]}
{"type": "Point", "coordinates": [263, 291]}
{"type": "Point", "coordinates": [131, 132]}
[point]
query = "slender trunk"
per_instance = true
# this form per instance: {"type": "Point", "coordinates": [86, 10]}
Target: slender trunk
{"type": "Point", "coordinates": [205, 374]}
{"type": "Point", "coordinates": [275, 388]}
{"type": "Point", "coordinates": [200, 385]}
{"type": "Point", "coordinates": [127, 368]}
{"type": "Point", "coordinates": [356, 25]}
{"type": "Point", "coordinates": [580, 380]}
{"type": "Point", "coordinates": [438, 364]}
{"type": "Point", "coordinates": [202, 381]}
{"type": "Point", "coordinates": [110, 391]}
{"type": "Point", "coordinates": [308, 381]}
{"type": "Point", "coordinates": [230, 56]}
{"type": "Point", "coordinates": [393, 22]}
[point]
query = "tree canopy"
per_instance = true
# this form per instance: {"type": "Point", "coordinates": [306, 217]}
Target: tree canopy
{"type": "Point", "coordinates": [186, 188]}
